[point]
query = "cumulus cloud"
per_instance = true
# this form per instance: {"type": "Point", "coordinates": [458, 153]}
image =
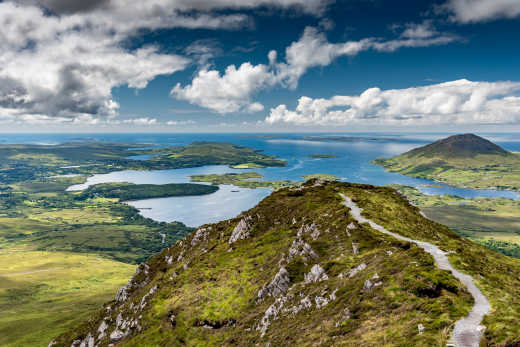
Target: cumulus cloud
{"type": "Point", "coordinates": [234, 89]}
{"type": "Point", "coordinates": [455, 102]}
{"type": "Point", "coordinates": [472, 11]}
{"type": "Point", "coordinates": [62, 58]}
{"type": "Point", "coordinates": [229, 92]}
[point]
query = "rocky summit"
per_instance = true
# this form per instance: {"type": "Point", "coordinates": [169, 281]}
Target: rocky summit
{"type": "Point", "coordinates": [325, 264]}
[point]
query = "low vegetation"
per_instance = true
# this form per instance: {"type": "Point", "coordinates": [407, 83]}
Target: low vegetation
{"type": "Point", "coordinates": [342, 283]}
{"type": "Point", "coordinates": [43, 294]}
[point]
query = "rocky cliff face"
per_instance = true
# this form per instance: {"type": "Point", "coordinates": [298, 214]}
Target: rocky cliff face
{"type": "Point", "coordinates": [299, 269]}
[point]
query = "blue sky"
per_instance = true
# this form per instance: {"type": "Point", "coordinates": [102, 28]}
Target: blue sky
{"type": "Point", "coordinates": [263, 65]}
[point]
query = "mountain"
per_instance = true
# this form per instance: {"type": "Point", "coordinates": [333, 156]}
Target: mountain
{"type": "Point", "coordinates": [465, 160]}
{"type": "Point", "coordinates": [304, 267]}
{"type": "Point", "coordinates": [460, 146]}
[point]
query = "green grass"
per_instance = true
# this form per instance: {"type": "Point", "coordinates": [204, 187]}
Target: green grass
{"type": "Point", "coordinates": [43, 294]}
{"type": "Point", "coordinates": [215, 282]}
{"type": "Point", "coordinates": [495, 274]}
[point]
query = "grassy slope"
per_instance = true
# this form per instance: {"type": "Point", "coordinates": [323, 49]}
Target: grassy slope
{"type": "Point", "coordinates": [43, 294]}
{"type": "Point", "coordinates": [211, 282]}
{"type": "Point", "coordinates": [494, 168]}
{"type": "Point", "coordinates": [495, 274]}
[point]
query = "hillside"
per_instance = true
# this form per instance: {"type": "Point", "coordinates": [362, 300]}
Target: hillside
{"type": "Point", "coordinates": [461, 160]}
{"type": "Point", "coordinates": [300, 269]}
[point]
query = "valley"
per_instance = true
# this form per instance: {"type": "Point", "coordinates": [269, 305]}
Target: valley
{"type": "Point", "coordinates": [65, 253]}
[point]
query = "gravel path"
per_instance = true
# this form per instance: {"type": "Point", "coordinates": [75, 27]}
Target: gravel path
{"type": "Point", "coordinates": [468, 330]}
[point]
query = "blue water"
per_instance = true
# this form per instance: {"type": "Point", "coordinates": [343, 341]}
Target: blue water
{"type": "Point", "coordinates": [351, 164]}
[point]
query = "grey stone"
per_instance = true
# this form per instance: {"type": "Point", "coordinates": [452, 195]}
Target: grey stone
{"type": "Point", "coordinates": [316, 274]}
{"type": "Point", "coordinates": [277, 286]}
{"type": "Point", "coordinates": [241, 230]}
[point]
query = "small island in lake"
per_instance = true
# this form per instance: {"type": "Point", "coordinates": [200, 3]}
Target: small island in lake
{"type": "Point", "coordinates": [322, 156]}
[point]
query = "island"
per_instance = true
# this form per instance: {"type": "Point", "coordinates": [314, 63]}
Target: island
{"type": "Point", "coordinates": [251, 180]}
{"type": "Point", "coordinates": [322, 156]}
{"type": "Point", "coordinates": [321, 177]}
{"type": "Point", "coordinates": [466, 160]}
{"type": "Point", "coordinates": [130, 191]}
{"type": "Point", "coordinates": [243, 180]}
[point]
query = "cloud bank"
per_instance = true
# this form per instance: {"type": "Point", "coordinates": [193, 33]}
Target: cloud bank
{"type": "Point", "coordinates": [60, 59]}
{"type": "Point", "coordinates": [456, 102]}
{"type": "Point", "coordinates": [233, 90]}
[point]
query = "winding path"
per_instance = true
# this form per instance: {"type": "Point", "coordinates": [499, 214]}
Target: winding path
{"type": "Point", "coordinates": [468, 330]}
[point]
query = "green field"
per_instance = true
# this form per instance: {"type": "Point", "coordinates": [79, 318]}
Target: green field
{"type": "Point", "coordinates": [44, 293]}
{"type": "Point", "coordinates": [494, 223]}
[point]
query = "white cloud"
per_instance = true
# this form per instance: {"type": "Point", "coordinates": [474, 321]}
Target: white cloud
{"type": "Point", "coordinates": [229, 92]}
{"type": "Point", "coordinates": [180, 122]}
{"type": "Point", "coordinates": [233, 90]}
{"type": "Point", "coordinates": [455, 102]}
{"type": "Point", "coordinates": [472, 11]}
{"type": "Point", "coordinates": [64, 63]}
{"type": "Point", "coordinates": [142, 121]}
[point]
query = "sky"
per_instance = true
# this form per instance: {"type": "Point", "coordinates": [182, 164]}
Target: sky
{"type": "Point", "coordinates": [259, 65]}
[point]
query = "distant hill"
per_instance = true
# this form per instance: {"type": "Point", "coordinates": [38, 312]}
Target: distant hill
{"type": "Point", "coordinates": [300, 269]}
{"type": "Point", "coordinates": [460, 146]}
{"type": "Point", "coordinates": [465, 160]}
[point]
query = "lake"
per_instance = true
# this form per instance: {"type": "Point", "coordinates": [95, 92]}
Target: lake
{"type": "Point", "coordinates": [352, 163]}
